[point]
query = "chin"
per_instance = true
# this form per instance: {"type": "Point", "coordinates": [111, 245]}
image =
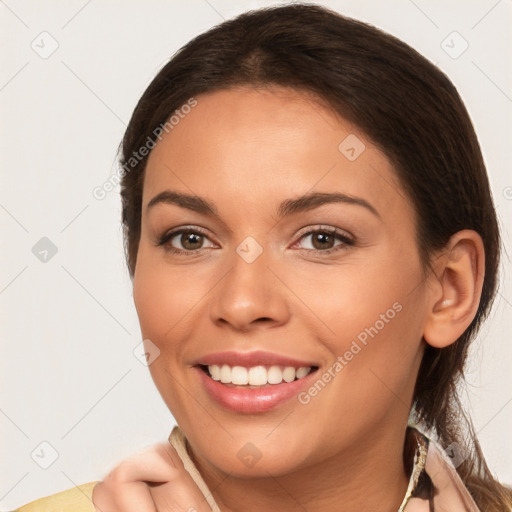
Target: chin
{"type": "Point", "coordinates": [253, 454]}
{"type": "Point", "coordinates": [256, 463]}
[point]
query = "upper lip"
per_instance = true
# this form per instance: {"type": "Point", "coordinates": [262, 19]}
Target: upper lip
{"type": "Point", "coordinates": [249, 359]}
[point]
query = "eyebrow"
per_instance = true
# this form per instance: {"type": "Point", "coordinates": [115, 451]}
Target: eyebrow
{"type": "Point", "coordinates": [303, 203]}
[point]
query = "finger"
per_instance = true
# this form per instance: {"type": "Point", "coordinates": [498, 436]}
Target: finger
{"type": "Point", "coordinates": [150, 481]}
{"type": "Point", "coordinates": [158, 463]}
{"type": "Point", "coordinates": [128, 497]}
{"type": "Point", "coordinates": [124, 488]}
{"type": "Point", "coordinates": [182, 493]}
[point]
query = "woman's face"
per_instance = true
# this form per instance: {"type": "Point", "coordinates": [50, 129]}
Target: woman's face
{"type": "Point", "coordinates": [305, 257]}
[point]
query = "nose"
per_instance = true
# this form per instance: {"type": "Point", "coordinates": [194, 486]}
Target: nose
{"type": "Point", "coordinates": [250, 296]}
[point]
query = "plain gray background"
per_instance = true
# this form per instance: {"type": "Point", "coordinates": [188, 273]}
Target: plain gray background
{"type": "Point", "coordinates": [71, 74]}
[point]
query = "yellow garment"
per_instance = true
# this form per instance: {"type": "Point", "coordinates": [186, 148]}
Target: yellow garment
{"type": "Point", "coordinates": [76, 499]}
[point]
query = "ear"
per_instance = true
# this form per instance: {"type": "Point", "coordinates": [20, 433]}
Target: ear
{"type": "Point", "coordinates": [456, 288]}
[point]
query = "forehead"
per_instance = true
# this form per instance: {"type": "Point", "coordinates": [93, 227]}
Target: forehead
{"type": "Point", "coordinates": [247, 146]}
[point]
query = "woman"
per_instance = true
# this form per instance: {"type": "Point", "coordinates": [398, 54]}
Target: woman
{"type": "Point", "coordinates": [313, 246]}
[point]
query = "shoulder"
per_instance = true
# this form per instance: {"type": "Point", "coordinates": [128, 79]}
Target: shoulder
{"type": "Point", "coordinates": [76, 499]}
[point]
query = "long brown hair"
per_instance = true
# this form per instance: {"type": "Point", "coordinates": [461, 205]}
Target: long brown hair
{"type": "Point", "coordinates": [406, 106]}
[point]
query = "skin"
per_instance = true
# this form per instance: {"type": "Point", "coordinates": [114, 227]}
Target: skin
{"type": "Point", "coordinates": [246, 150]}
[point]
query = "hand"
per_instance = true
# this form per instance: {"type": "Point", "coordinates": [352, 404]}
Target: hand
{"type": "Point", "coordinates": [154, 480]}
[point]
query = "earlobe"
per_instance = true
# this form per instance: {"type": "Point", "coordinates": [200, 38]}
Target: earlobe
{"type": "Point", "coordinates": [455, 294]}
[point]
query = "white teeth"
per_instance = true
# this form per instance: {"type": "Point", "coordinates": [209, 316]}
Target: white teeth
{"type": "Point", "coordinates": [302, 372]}
{"type": "Point", "coordinates": [256, 375]}
{"type": "Point", "coordinates": [239, 376]}
{"type": "Point", "coordinates": [225, 374]}
{"type": "Point", "coordinates": [215, 372]}
{"type": "Point", "coordinates": [275, 375]}
{"type": "Point", "coordinates": [289, 374]}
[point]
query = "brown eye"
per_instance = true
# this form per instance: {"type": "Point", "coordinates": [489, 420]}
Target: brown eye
{"type": "Point", "coordinates": [191, 241]}
{"type": "Point", "coordinates": [325, 240]}
{"type": "Point", "coordinates": [322, 240]}
{"type": "Point", "coordinates": [184, 241]}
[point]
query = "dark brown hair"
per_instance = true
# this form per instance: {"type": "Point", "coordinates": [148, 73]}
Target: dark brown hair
{"type": "Point", "coordinates": [406, 106]}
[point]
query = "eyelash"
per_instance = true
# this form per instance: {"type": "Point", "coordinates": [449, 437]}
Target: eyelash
{"type": "Point", "coordinates": [346, 240]}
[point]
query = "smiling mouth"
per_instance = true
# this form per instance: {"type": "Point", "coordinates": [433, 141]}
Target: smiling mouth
{"type": "Point", "coordinates": [255, 376]}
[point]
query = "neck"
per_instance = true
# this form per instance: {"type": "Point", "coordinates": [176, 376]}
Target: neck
{"type": "Point", "coordinates": [370, 476]}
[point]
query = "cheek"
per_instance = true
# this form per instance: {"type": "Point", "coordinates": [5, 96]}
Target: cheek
{"type": "Point", "coordinates": [154, 307]}
{"type": "Point", "coordinates": [163, 296]}
{"type": "Point", "coordinates": [374, 317]}
{"type": "Point", "coordinates": [160, 309]}
{"type": "Point", "coordinates": [366, 298]}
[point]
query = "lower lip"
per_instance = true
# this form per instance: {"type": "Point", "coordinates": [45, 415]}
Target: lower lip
{"type": "Point", "coordinates": [253, 400]}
